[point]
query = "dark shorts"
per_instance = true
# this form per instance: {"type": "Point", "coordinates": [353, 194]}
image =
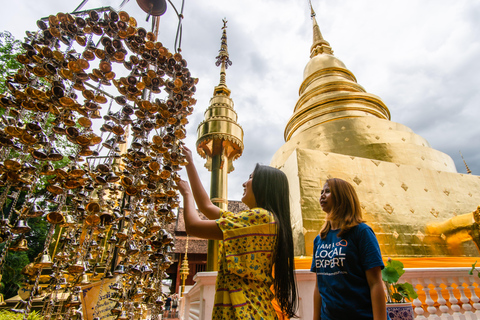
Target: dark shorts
{"type": "Point", "coordinates": [167, 308]}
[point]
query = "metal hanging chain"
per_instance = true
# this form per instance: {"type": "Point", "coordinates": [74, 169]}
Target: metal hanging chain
{"type": "Point", "coordinates": [39, 273]}
{"type": "Point", "coordinates": [178, 37]}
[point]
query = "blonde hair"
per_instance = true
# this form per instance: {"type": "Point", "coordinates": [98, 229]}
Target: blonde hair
{"type": "Point", "coordinates": [346, 211]}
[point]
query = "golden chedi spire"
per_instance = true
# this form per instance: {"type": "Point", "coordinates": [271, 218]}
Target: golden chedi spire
{"type": "Point", "coordinates": [220, 140]}
{"type": "Point", "coordinates": [220, 133]}
{"type": "Point", "coordinates": [339, 130]}
{"type": "Point", "coordinates": [330, 91]}
{"type": "Point", "coordinates": [320, 45]}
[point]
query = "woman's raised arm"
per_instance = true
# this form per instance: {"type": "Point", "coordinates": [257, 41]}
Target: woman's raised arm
{"type": "Point", "coordinates": [201, 197]}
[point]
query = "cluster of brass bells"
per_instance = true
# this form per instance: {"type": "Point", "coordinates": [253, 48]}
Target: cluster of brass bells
{"type": "Point", "coordinates": [110, 194]}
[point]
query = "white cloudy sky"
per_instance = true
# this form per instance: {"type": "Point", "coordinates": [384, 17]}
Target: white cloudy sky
{"type": "Point", "coordinates": [421, 57]}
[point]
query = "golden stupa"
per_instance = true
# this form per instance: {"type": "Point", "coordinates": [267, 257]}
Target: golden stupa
{"type": "Point", "coordinates": [411, 194]}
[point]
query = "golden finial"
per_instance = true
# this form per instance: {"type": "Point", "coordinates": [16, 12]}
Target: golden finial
{"type": "Point", "coordinates": [223, 59]}
{"type": "Point", "coordinates": [184, 269]}
{"type": "Point", "coordinates": [466, 166]}
{"type": "Point", "coordinates": [320, 45]}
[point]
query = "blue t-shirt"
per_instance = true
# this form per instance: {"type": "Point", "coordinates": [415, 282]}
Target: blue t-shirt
{"type": "Point", "coordinates": [340, 265]}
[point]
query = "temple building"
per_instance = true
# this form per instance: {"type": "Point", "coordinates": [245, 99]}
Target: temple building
{"type": "Point", "coordinates": [411, 194]}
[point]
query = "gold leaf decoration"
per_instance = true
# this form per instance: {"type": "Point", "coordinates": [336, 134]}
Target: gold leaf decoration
{"type": "Point", "coordinates": [357, 180]}
{"type": "Point", "coordinates": [420, 235]}
{"type": "Point", "coordinates": [388, 208]}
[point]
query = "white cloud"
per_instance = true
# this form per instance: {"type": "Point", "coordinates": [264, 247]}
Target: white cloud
{"type": "Point", "coordinates": [420, 57]}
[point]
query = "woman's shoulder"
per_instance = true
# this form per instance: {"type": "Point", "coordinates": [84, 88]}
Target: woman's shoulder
{"type": "Point", "coordinates": [362, 226]}
{"type": "Point", "coordinates": [250, 217]}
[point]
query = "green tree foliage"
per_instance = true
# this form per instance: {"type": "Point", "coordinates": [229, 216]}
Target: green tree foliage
{"type": "Point", "coordinates": [8, 315]}
{"type": "Point", "coordinates": [12, 278]}
{"type": "Point", "coordinates": [9, 49]}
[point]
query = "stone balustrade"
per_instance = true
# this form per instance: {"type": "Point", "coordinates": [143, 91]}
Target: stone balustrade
{"type": "Point", "coordinates": [444, 294]}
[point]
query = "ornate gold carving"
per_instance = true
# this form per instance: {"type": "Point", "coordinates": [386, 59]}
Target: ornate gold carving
{"type": "Point", "coordinates": [388, 208]}
{"type": "Point", "coordinates": [357, 180]}
{"type": "Point", "coordinates": [420, 235]}
{"type": "Point", "coordinates": [476, 215]}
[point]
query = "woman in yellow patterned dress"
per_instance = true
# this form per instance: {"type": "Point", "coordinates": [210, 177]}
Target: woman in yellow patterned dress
{"type": "Point", "coordinates": [254, 242]}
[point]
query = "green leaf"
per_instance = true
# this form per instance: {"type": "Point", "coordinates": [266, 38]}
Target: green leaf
{"type": "Point", "coordinates": [397, 297]}
{"type": "Point", "coordinates": [473, 268]}
{"type": "Point", "coordinates": [406, 290]}
{"type": "Point", "coordinates": [390, 274]}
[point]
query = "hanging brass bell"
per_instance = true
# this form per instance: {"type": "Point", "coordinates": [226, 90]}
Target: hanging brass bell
{"type": "Point", "coordinates": [154, 226]}
{"type": "Point", "coordinates": [72, 301]}
{"type": "Point", "coordinates": [120, 269]}
{"type": "Point", "coordinates": [45, 261]}
{"type": "Point", "coordinates": [117, 309]}
{"type": "Point", "coordinates": [123, 234]}
{"type": "Point", "coordinates": [21, 227]}
{"type": "Point", "coordinates": [33, 212]}
{"type": "Point", "coordinates": [135, 270]}
{"type": "Point", "coordinates": [139, 293]}
{"type": "Point", "coordinates": [55, 217]}
{"type": "Point", "coordinates": [92, 220]}
{"type": "Point", "coordinates": [85, 280]}
{"type": "Point", "coordinates": [68, 221]}
{"type": "Point", "coordinates": [146, 269]}
{"type": "Point", "coordinates": [19, 245]}
{"type": "Point", "coordinates": [112, 239]}
{"type": "Point", "coordinates": [77, 267]}
{"type": "Point", "coordinates": [54, 155]}
{"type": "Point", "coordinates": [147, 249]}
{"type": "Point", "coordinates": [123, 315]}
{"type": "Point", "coordinates": [131, 248]}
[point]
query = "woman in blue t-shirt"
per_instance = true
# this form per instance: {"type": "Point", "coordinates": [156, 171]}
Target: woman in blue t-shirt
{"type": "Point", "coordinates": [346, 260]}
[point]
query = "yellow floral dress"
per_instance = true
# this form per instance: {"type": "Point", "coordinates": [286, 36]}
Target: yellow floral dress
{"type": "Point", "coordinates": [245, 266]}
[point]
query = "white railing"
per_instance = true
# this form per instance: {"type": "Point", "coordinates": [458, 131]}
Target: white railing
{"type": "Point", "coordinates": [444, 294]}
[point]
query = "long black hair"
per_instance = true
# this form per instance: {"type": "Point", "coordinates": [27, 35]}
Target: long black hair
{"type": "Point", "coordinates": [270, 188]}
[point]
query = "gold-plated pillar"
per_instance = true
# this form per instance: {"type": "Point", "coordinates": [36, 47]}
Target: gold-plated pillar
{"type": "Point", "coordinates": [220, 141]}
